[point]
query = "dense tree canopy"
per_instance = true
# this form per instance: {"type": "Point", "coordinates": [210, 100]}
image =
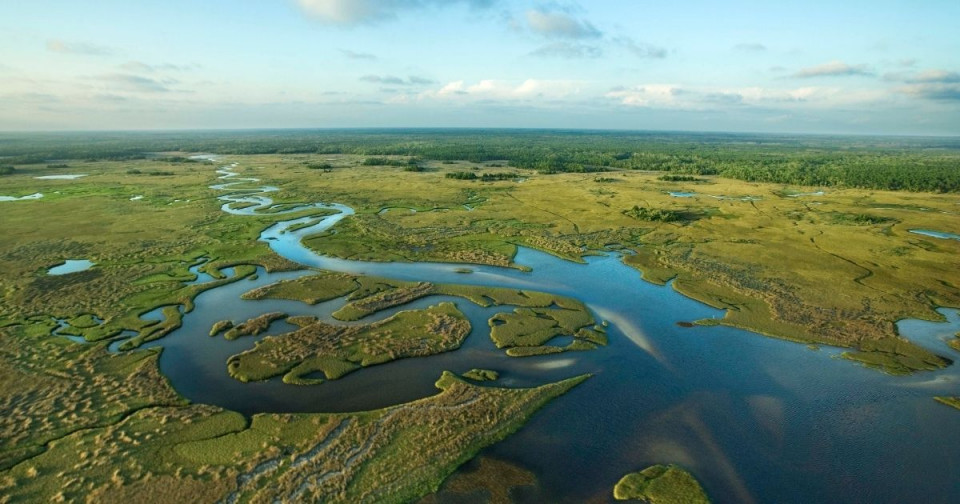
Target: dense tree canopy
{"type": "Point", "coordinates": [914, 164]}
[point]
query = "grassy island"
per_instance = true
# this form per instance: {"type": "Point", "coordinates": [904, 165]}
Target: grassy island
{"type": "Point", "coordinates": [661, 484]}
{"type": "Point", "coordinates": [337, 350]}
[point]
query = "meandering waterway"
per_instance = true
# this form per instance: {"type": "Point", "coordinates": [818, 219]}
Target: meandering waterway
{"type": "Point", "coordinates": [756, 419]}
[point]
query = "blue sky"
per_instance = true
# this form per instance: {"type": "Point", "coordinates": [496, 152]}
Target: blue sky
{"type": "Point", "coordinates": [862, 67]}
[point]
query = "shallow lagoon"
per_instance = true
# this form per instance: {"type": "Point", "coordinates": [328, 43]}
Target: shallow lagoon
{"type": "Point", "coordinates": [71, 266]}
{"type": "Point", "coordinates": [61, 177]}
{"type": "Point", "coordinates": [936, 234]}
{"type": "Point", "coordinates": [755, 419]}
{"type": "Point", "coordinates": [22, 198]}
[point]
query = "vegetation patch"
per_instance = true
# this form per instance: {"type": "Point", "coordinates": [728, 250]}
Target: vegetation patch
{"type": "Point", "coordinates": [220, 326]}
{"type": "Point", "coordinates": [859, 219]}
{"type": "Point", "coordinates": [896, 356]}
{"type": "Point", "coordinates": [481, 375]}
{"type": "Point", "coordinates": [526, 331]}
{"type": "Point", "coordinates": [112, 430]}
{"type": "Point", "coordinates": [484, 479]}
{"type": "Point", "coordinates": [338, 350]}
{"type": "Point", "coordinates": [949, 401]}
{"type": "Point", "coordinates": [955, 342]}
{"type": "Point", "coordinates": [253, 326]}
{"type": "Point", "coordinates": [680, 178]}
{"type": "Point", "coordinates": [657, 214]}
{"type": "Point", "coordinates": [310, 289]}
{"type": "Point", "coordinates": [661, 484]}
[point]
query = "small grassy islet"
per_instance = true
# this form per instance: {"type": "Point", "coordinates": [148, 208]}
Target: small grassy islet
{"type": "Point", "coordinates": [661, 484]}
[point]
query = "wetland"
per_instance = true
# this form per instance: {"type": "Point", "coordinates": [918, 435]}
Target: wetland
{"type": "Point", "coordinates": [335, 322]}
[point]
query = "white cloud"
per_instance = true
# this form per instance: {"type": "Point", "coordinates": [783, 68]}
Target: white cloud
{"type": "Point", "coordinates": [937, 91]}
{"type": "Point", "coordinates": [413, 80]}
{"type": "Point", "coordinates": [136, 83]}
{"type": "Point", "coordinates": [934, 76]}
{"type": "Point", "coordinates": [352, 12]}
{"type": "Point", "coordinates": [62, 47]}
{"type": "Point", "coordinates": [502, 90]}
{"type": "Point", "coordinates": [669, 96]}
{"type": "Point", "coordinates": [649, 95]}
{"type": "Point", "coordinates": [832, 69]}
{"type": "Point", "coordinates": [455, 87]}
{"type": "Point", "coordinates": [560, 25]}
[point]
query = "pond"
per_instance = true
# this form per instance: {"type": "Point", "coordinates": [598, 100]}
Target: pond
{"type": "Point", "coordinates": [22, 198]}
{"type": "Point", "coordinates": [61, 177]}
{"type": "Point", "coordinates": [936, 234]}
{"type": "Point", "coordinates": [71, 266]}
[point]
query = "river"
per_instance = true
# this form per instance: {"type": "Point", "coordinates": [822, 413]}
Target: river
{"type": "Point", "coordinates": [754, 418]}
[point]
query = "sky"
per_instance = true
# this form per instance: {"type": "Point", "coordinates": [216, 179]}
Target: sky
{"type": "Point", "coordinates": [822, 67]}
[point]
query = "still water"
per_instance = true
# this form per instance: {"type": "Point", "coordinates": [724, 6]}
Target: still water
{"type": "Point", "coordinates": [755, 419]}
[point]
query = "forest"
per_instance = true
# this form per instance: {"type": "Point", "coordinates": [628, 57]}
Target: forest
{"type": "Point", "coordinates": [892, 163]}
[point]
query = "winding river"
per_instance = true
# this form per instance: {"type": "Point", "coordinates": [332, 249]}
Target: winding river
{"type": "Point", "coordinates": [756, 419]}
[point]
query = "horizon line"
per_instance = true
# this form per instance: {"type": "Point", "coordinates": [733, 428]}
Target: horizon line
{"type": "Point", "coordinates": [472, 128]}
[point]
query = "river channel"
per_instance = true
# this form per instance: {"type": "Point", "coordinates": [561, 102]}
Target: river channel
{"type": "Point", "coordinates": [754, 418]}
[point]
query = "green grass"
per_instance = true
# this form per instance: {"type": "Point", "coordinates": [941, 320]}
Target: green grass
{"type": "Point", "coordinates": [481, 375]}
{"type": "Point", "coordinates": [311, 289]}
{"type": "Point", "coordinates": [338, 350]}
{"type": "Point", "coordinates": [253, 326]}
{"type": "Point", "coordinates": [526, 331]}
{"type": "Point", "coordinates": [896, 356]}
{"type": "Point", "coordinates": [949, 401]}
{"type": "Point", "coordinates": [220, 326]}
{"type": "Point", "coordinates": [661, 484]}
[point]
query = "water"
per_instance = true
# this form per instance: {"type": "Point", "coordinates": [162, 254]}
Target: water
{"type": "Point", "coordinates": [936, 234]}
{"type": "Point", "coordinates": [61, 177]}
{"type": "Point", "coordinates": [22, 198]}
{"type": "Point", "coordinates": [756, 419]}
{"type": "Point", "coordinates": [71, 266]}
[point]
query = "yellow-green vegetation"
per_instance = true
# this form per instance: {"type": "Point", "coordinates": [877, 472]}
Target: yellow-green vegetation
{"type": "Point", "coordinates": [802, 268]}
{"type": "Point", "coordinates": [405, 292]}
{"type": "Point", "coordinates": [661, 484]}
{"type": "Point", "coordinates": [949, 401]}
{"type": "Point", "coordinates": [220, 326]}
{"type": "Point", "coordinates": [312, 289]}
{"type": "Point", "coordinates": [955, 342]}
{"type": "Point", "coordinates": [143, 248]}
{"type": "Point", "coordinates": [491, 481]}
{"type": "Point", "coordinates": [51, 387]}
{"type": "Point", "coordinates": [526, 331]}
{"type": "Point", "coordinates": [112, 430]}
{"type": "Point", "coordinates": [895, 356]}
{"type": "Point", "coordinates": [337, 350]}
{"type": "Point", "coordinates": [767, 260]}
{"type": "Point", "coordinates": [251, 327]}
{"type": "Point", "coordinates": [481, 375]}
{"type": "Point", "coordinates": [383, 300]}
